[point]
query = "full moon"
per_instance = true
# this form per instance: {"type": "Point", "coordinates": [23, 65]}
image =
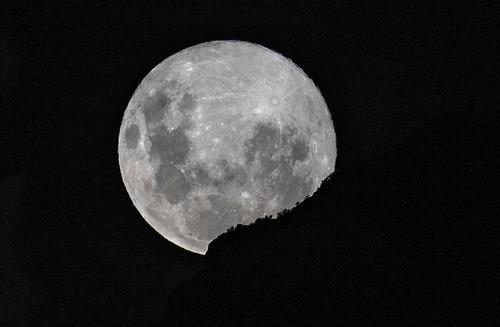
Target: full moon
{"type": "Point", "coordinates": [220, 134]}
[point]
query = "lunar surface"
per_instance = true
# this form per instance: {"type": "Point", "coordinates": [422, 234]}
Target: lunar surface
{"type": "Point", "coordinates": [221, 134]}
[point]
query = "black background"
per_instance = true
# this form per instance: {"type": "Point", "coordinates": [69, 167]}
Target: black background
{"type": "Point", "coordinates": [404, 231]}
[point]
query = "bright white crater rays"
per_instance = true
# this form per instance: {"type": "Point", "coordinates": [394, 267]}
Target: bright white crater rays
{"type": "Point", "coordinates": [221, 134]}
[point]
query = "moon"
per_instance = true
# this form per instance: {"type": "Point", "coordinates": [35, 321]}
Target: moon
{"type": "Point", "coordinates": [220, 134]}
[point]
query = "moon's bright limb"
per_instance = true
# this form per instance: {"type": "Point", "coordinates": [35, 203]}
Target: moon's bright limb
{"type": "Point", "coordinates": [220, 134]}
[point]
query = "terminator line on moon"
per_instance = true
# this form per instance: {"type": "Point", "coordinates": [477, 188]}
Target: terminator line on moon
{"type": "Point", "coordinates": [220, 134]}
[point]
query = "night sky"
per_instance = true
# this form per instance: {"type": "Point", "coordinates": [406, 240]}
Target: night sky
{"type": "Point", "coordinates": [405, 231]}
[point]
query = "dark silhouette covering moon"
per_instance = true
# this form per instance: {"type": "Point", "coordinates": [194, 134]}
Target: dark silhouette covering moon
{"type": "Point", "coordinates": [221, 134]}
